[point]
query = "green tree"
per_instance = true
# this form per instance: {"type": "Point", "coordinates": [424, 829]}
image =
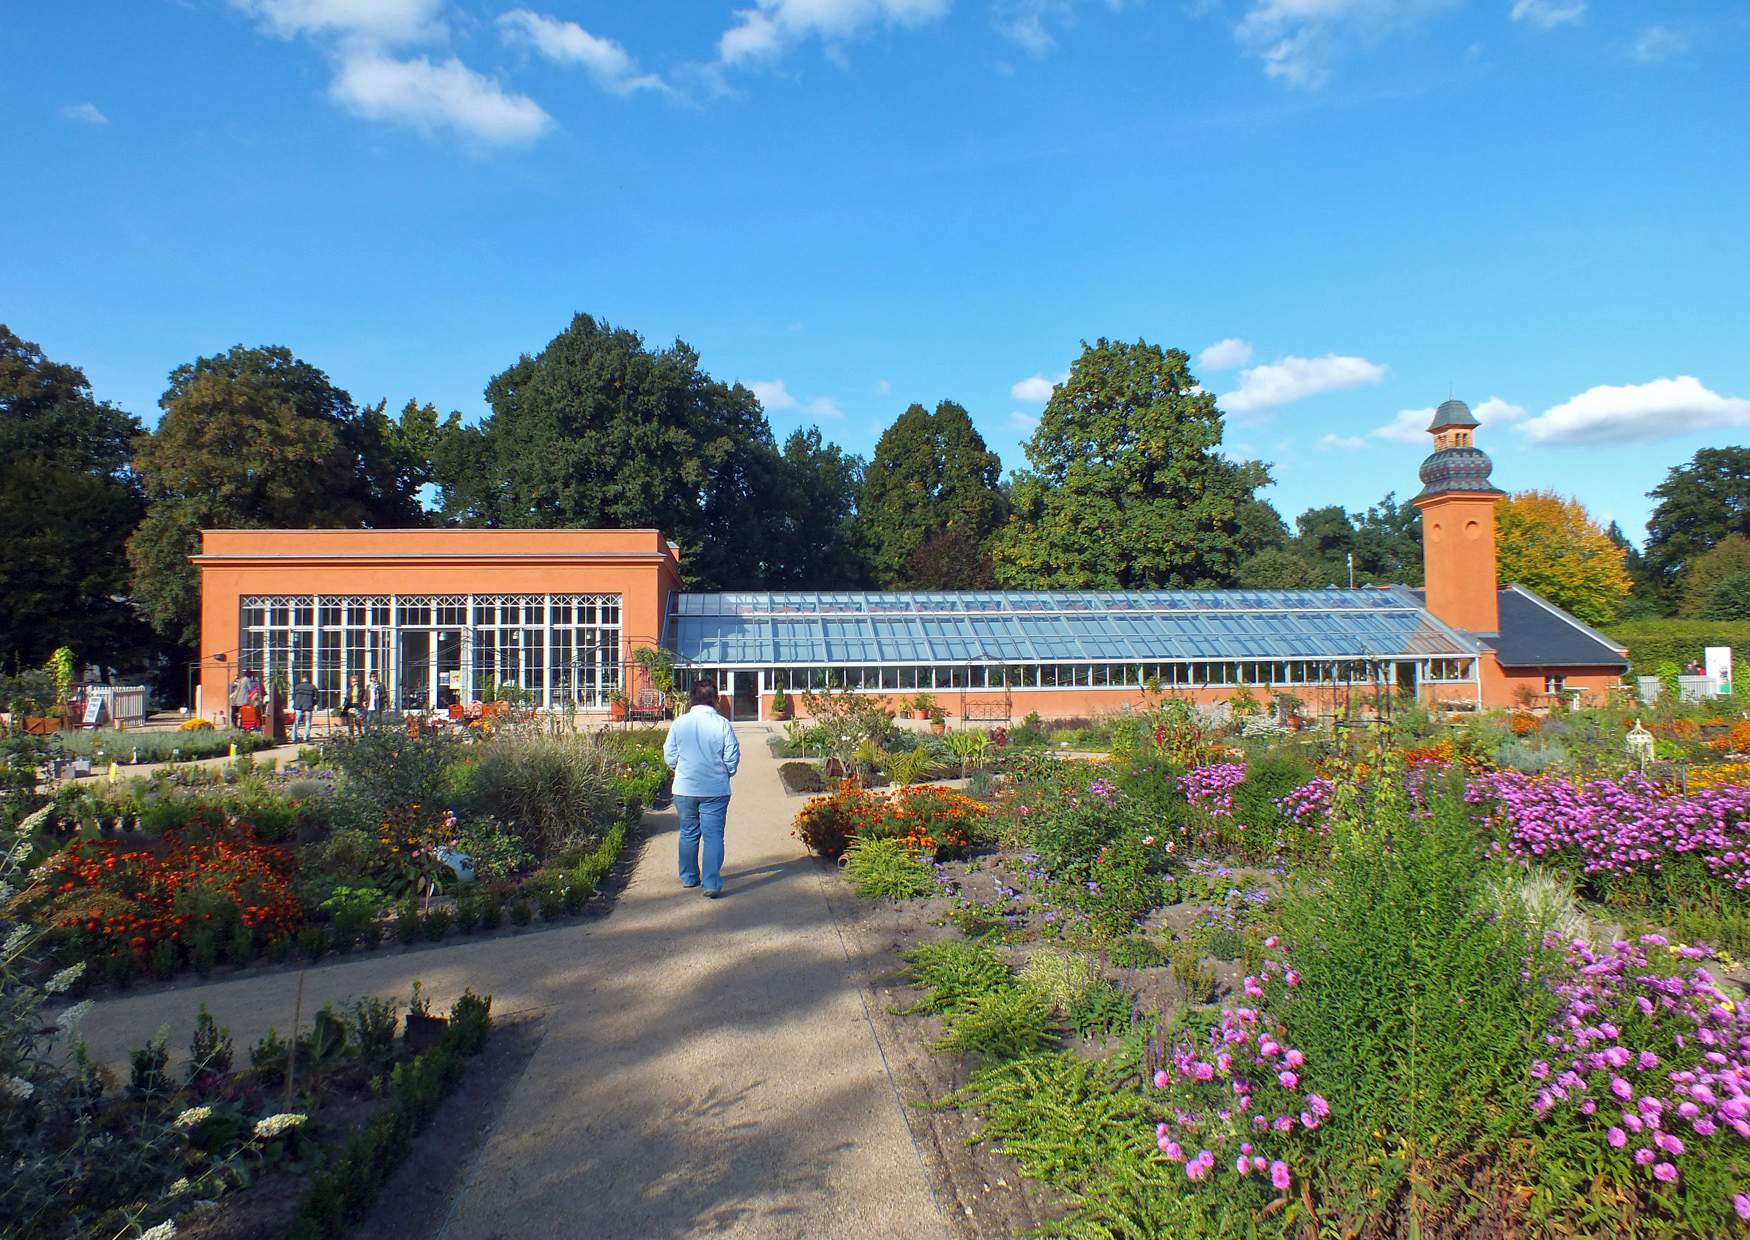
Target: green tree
{"type": "Point", "coordinates": [1262, 527]}
{"type": "Point", "coordinates": [1646, 598]}
{"type": "Point", "coordinates": [256, 438]}
{"type": "Point", "coordinates": [817, 540]}
{"type": "Point", "coordinates": [1127, 488]}
{"type": "Point", "coordinates": [1278, 568]}
{"type": "Point", "coordinates": [1699, 504]}
{"type": "Point", "coordinates": [951, 559]}
{"type": "Point", "coordinates": [931, 473]}
{"type": "Point", "coordinates": [1388, 543]}
{"type": "Point", "coordinates": [1730, 599]}
{"type": "Point", "coordinates": [67, 505]}
{"type": "Point", "coordinates": [1551, 545]}
{"type": "Point", "coordinates": [597, 430]}
{"type": "Point", "coordinates": [1325, 540]}
{"type": "Point", "coordinates": [1730, 557]}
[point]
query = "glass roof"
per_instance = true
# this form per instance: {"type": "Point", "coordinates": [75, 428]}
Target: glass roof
{"type": "Point", "coordinates": [806, 628]}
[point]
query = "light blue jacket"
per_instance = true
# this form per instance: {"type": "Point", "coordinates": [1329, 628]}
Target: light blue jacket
{"type": "Point", "coordinates": [703, 752]}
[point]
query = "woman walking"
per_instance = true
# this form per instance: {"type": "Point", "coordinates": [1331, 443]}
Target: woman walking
{"type": "Point", "coordinates": [704, 754]}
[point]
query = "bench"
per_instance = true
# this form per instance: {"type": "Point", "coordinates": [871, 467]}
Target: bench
{"type": "Point", "coordinates": [986, 710]}
{"type": "Point", "coordinates": [648, 706]}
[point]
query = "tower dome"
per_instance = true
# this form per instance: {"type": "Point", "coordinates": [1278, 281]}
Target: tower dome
{"type": "Point", "coordinates": [1457, 469]}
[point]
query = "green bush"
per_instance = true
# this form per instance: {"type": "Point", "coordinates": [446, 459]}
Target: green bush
{"type": "Point", "coordinates": [552, 790]}
{"type": "Point", "coordinates": [1003, 1024]}
{"type": "Point", "coordinates": [1652, 642]}
{"type": "Point", "coordinates": [342, 1191]}
{"type": "Point", "coordinates": [1059, 977]}
{"type": "Point", "coordinates": [955, 973]}
{"type": "Point", "coordinates": [885, 869]}
{"type": "Point", "coordinates": [384, 770]}
{"type": "Point", "coordinates": [1411, 1009]}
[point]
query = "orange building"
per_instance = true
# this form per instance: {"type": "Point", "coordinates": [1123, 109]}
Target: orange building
{"type": "Point", "coordinates": [453, 615]}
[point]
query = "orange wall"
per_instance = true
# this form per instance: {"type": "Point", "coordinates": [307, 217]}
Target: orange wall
{"type": "Point", "coordinates": [1458, 559]}
{"type": "Point", "coordinates": [635, 564]}
{"type": "Point", "coordinates": [1505, 687]}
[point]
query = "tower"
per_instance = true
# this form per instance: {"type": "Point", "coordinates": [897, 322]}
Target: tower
{"type": "Point", "coordinates": [1457, 502]}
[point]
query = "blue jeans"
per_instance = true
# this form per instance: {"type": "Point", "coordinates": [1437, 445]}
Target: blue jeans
{"type": "Point", "coordinates": [702, 817]}
{"type": "Point", "coordinates": [302, 719]}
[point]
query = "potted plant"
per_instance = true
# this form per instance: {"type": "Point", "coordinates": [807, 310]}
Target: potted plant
{"type": "Point", "coordinates": [617, 705]}
{"type": "Point", "coordinates": [938, 720]}
{"type": "Point", "coordinates": [922, 705]}
{"type": "Point", "coordinates": [781, 705]}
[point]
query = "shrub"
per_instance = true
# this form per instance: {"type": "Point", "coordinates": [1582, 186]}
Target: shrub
{"type": "Point", "coordinates": [520, 912]}
{"type": "Point", "coordinates": [954, 973]}
{"type": "Point", "coordinates": [1103, 1009]}
{"type": "Point", "coordinates": [827, 825]}
{"type": "Point", "coordinates": [1002, 1024]}
{"type": "Point", "coordinates": [886, 869]}
{"type": "Point", "coordinates": [436, 923]}
{"type": "Point", "coordinates": [1408, 989]}
{"type": "Point", "coordinates": [552, 790]}
{"type": "Point", "coordinates": [801, 777]}
{"type": "Point", "coordinates": [384, 771]}
{"type": "Point", "coordinates": [1059, 977]}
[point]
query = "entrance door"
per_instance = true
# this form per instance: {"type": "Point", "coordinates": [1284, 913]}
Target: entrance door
{"type": "Point", "coordinates": [1407, 679]}
{"type": "Point", "coordinates": [744, 696]}
{"type": "Point", "coordinates": [447, 668]}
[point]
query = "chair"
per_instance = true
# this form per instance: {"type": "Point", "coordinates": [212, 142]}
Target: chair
{"type": "Point", "coordinates": [248, 719]}
{"type": "Point", "coordinates": [457, 712]}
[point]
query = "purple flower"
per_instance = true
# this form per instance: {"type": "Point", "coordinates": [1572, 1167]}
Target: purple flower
{"type": "Point", "coordinates": [1665, 1171]}
{"type": "Point", "coordinates": [1617, 1137]}
{"type": "Point", "coordinates": [1279, 1175]}
{"type": "Point", "coordinates": [1741, 1203]}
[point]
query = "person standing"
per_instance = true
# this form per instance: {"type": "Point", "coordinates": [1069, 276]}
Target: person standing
{"type": "Point", "coordinates": [239, 694]}
{"type": "Point", "coordinates": [704, 754]}
{"type": "Point", "coordinates": [376, 701]}
{"type": "Point", "coordinates": [303, 706]}
{"type": "Point", "coordinates": [349, 708]}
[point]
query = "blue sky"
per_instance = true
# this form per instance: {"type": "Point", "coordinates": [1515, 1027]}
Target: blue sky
{"type": "Point", "coordinates": [855, 204]}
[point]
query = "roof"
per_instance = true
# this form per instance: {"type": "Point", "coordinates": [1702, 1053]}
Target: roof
{"type": "Point", "coordinates": [1452, 413]}
{"type": "Point", "coordinates": [812, 629]}
{"type": "Point", "coordinates": [1537, 633]}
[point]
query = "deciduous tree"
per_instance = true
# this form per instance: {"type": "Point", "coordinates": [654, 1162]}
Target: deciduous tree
{"type": "Point", "coordinates": [67, 505]}
{"type": "Point", "coordinates": [817, 540]}
{"type": "Point", "coordinates": [257, 438]}
{"type": "Point", "coordinates": [597, 430]}
{"type": "Point", "coordinates": [932, 473]}
{"type": "Point", "coordinates": [1550, 544]}
{"type": "Point", "coordinates": [1728, 558]}
{"type": "Point", "coordinates": [1127, 488]}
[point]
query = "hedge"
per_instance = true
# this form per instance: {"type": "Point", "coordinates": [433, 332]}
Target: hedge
{"type": "Point", "coordinates": [1652, 642]}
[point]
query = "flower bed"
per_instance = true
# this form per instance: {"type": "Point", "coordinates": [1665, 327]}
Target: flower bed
{"type": "Point", "coordinates": [931, 820]}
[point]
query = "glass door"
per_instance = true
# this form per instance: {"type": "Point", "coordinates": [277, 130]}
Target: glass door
{"type": "Point", "coordinates": [447, 667]}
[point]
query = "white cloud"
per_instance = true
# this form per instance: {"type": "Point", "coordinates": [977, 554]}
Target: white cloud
{"type": "Point", "coordinates": [1347, 443]}
{"type": "Point", "coordinates": [377, 21]}
{"type": "Point", "coordinates": [1035, 389]}
{"type": "Point", "coordinates": [1637, 413]}
{"type": "Point", "coordinates": [1497, 412]}
{"type": "Point", "coordinates": [1657, 43]}
{"type": "Point", "coordinates": [1296, 39]}
{"type": "Point", "coordinates": [1289, 379]}
{"type": "Point", "coordinates": [428, 96]}
{"type": "Point", "coordinates": [770, 26]}
{"type": "Point", "coordinates": [882, 387]}
{"type": "Point", "coordinates": [1029, 23]}
{"type": "Point", "coordinates": [823, 407]}
{"type": "Point", "coordinates": [1225, 354]}
{"type": "Point", "coordinates": [1026, 423]}
{"type": "Point", "coordinates": [1548, 14]}
{"type": "Point", "coordinates": [84, 113]}
{"type": "Point", "coordinates": [772, 394]}
{"type": "Point", "coordinates": [567, 43]}
{"type": "Point", "coordinates": [1407, 426]}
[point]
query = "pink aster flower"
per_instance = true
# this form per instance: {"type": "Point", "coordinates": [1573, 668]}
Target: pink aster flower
{"type": "Point", "coordinates": [1665, 1171]}
{"type": "Point", "coordinates": [1293, 1058]}
{"type": "Point", "coordinates": [1279, 1175]}
{"type": "Point", "coordinates": [1617, 1138]}
{"type": "Point", "coordinates": [1741, 1203]}
{"type": "Point", "coordinates": [1161, 1079]}
{"type": "Point", "coordinates": [1287, 1080]}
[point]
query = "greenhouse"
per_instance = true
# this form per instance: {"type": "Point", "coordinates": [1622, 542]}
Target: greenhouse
{"type": "Point", "coordinates": [1068, 641]}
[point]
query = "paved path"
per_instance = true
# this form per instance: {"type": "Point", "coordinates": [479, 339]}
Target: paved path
{"type": "Point", "coordinates": [707, 1067]}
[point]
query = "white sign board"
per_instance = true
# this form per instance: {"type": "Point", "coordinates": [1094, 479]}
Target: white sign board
{"type": "Point", "coordinates": [1719, 669]}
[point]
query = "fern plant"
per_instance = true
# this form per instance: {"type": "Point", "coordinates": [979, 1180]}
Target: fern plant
{"type": "Point", "coordinates": [886, 869]}
{"type": "Point", "coordinates": [954, 973]}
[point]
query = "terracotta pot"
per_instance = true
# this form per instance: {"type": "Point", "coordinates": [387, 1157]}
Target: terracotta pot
{"type": "Point", "coordinates": [938, 726]}
{"type": "Point", "coordinates": [617, 711]}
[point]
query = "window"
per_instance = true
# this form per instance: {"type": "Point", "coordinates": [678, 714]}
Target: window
{"type": "Point", "coordinates": [1554, 685]}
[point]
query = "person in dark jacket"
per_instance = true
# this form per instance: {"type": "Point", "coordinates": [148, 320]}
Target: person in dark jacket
{"type": "Point", "coordinates": [303, 706]}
